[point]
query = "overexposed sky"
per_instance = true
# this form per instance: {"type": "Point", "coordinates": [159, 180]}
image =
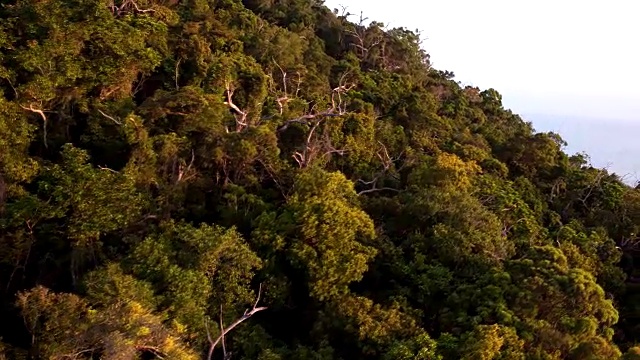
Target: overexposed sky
{"type": "Point", "coordinates": [556, 57]}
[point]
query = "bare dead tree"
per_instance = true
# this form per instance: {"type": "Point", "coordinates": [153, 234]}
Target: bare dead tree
{"type": "Point", "coordinates": [272, 174]}
{"type": "Point", "coordinates": [362, 42]}
{"type": "Point", "coordinates": [315, 145]}
{"type": "Point", "coordinates": [283, 96]}
{"type": "Point", "coordinates": [223, 331]}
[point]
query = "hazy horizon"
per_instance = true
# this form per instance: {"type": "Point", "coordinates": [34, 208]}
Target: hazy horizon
{"type": "Point", "coordinates": [609, 144]}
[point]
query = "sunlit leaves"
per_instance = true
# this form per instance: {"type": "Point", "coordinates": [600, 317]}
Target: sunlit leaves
{"type": "Point", "coordinates": [67, 326]}
{"type": "Point", "coordinates": [195, 269]}
{"type": "Point", "coordinates": [96, 200]}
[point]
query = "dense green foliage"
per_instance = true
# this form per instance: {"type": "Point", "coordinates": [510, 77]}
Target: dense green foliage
{"type": "Point", "coordinates": [166, 165]}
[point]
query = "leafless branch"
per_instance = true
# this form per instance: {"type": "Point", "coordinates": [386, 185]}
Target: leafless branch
{"type": "Point", "coordinates": [140, 10]}
{"type": "Point", "coordinates": [109, 117]}
{"type": "Point", "coordinates": [239, 115]}
{"type": "Point", "coordinates": [15, 92]}
{"type": "Point", "coordinates": [44, 120]}
{"type": "Point", "coordinates": [107, 169]}
{"type": "Point", "coordinates": [283, 98]}
{"type": "Point", "coordinates": [299, 83]}
{"type": "Point", "coordinates": [314, 146]}
{"type": "Point", "coordinates": [224, 346]}
{"type": "Point", "coordinates": [375, 189]}
{"type": "Point", "coordinates": [152, 349]}
{"type": "Point", "coordinates": [77, 354]}
{"type": "Point", "coordinates": [182, 170]}
{"type": "Point", "coordinates": [269, 169]}
{"type": "Point", "coordinates": [177, 74]}
{"type": "Point", "coordinates": [506, 227]}
{"type": "Point", "coordinates": [387, 162]}
{"type": "Point", "coordinates": [338, 108]}
{"type": "Point", "coordinates": [127, 6]}
{"type": "Point", "coordinates": [629, 243]}
{"type": "Point", "coordinates": [21, 261]}
{"type": "Point", "coordinates": [247, 314]}
{"type": "Point", "coordinates": [363, 43]}
{"type": "Point", "coordinates": [299, 158]}
{"type": "Point", "coordinates": [587, 192]}
{"type": "Point", "coordinates": [284, 78]}
{"type": "Point", "coordinates": [344, 13]}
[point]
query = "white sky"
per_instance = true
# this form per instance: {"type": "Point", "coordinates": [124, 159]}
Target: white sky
{"type": "Point", "coordinates": [557, 57]}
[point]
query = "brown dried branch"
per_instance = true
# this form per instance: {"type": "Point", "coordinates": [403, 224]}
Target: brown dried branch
{"type": "Point", "coordinates": [223, 331]}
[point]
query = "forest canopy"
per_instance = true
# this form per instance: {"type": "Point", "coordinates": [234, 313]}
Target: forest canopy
{"type": "Point", "coordinates": [257, 179]}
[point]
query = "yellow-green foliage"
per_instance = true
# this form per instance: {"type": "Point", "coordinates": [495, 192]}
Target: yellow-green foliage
{"type": "Point", "coordinates": [169, 168]}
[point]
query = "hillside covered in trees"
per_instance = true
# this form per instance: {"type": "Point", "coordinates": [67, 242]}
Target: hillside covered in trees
{"type": "Point", "coordinates": [259, 179]}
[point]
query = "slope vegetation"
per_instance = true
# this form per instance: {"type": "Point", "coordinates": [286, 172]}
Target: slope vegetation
{"type": "Point", "coordinates": [193, 179]}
